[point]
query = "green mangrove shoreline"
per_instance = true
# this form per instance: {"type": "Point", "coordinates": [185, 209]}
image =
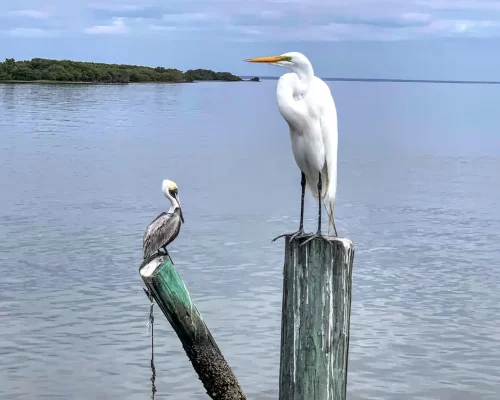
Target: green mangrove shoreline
{"type": "Point", "coordinates": [47, 82]}
{"type": "Point", "coordinates": [41, 81]}
{"type": "Point", "coordinates": [47, 71]}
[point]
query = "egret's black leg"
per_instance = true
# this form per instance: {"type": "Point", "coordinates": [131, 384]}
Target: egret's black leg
{"type": "Point", "coordinates": [318, 233]}
{"type": "Point", "coordinates": [300, 232]}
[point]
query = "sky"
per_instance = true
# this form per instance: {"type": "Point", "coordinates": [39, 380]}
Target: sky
{"type": "Point", "coordinates": [414, 39]}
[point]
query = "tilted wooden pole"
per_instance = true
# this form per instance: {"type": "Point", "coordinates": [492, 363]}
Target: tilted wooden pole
{"type": "Point", "coordinates": [316, 311]}
{"type": "Point", "coordinates": [171, 295]}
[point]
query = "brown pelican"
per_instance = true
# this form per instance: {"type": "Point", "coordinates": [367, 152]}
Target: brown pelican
{"type": "Point", "coordinates": [166, 226]}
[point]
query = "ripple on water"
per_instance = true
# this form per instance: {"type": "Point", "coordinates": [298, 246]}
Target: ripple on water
{"type": "Point", "coordinates": [82, 172]}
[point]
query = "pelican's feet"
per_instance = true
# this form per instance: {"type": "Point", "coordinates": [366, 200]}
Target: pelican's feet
{"type": "Point", "coordinates": [294, 235]}
{"type": "Point", "coordinates": [163, 252]}
{"type": "Point", "coordinates": [318, 234]}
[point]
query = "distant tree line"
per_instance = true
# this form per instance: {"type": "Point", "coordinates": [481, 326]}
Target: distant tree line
{"type": "Point", "coordinates": [209, 75]}
{"type": "Point", "coordinates": [40, 69]}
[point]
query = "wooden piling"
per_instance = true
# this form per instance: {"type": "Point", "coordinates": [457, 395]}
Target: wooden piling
{"type": "Point", "coordinates": [316, 311]}
{"type": "Point", "coordinates": [171, 295]}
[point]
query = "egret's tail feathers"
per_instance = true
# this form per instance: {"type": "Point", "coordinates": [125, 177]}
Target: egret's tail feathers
{"type": "Point", "coordinates": [329, 208]}
{"type": "Point", "coordinates": [329, 194]}
{"type": "Point", "coordinates": [312, 183]}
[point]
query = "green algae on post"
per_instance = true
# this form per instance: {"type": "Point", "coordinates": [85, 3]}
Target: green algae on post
{"type": "Point", "coordinates": [317, 289]}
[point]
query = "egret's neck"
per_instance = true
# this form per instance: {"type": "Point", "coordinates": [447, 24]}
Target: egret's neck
{"type": "Point", "coordinates": [291, 90]}
{"type": "Point", "coordinates": [305, 75]}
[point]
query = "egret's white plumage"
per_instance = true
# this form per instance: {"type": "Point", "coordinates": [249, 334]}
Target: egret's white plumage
{"type": "Point", "coordinates": [307, 105]}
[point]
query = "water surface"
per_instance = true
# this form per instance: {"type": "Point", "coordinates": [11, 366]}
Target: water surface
{"type": "Point", "coordinates": [81, 170]}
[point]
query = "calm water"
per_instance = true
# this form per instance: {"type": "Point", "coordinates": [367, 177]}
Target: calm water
{"type": "Point", "coordinates": [80, 178]}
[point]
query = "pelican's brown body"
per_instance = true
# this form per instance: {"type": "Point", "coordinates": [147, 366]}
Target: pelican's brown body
{"type": "Point", "coordinates": [161, 232]}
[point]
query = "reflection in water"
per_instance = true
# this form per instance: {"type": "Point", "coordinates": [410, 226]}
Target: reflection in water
{"type": "Point", "coordinates": [81, 167]}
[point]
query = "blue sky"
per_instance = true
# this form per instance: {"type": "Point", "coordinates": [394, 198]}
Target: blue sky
{"type": "Point", "coordinates": [435, 39]}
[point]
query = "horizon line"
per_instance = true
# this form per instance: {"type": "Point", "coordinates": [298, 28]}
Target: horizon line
{"type": "Point", "coordinates": [339, 79]}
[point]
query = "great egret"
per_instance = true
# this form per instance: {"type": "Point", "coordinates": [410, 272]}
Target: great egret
{"type": "Point", "coordinates": [307, 105]}
{"type": "Point", "coordinates": [166, 226]}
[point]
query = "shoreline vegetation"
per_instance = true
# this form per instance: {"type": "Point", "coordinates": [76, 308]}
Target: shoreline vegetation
{"type": "Point", "coordinates": [41, 70]}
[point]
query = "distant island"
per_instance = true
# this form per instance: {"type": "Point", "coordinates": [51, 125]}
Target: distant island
{"type": "Point", "coordinates": [46, 70]}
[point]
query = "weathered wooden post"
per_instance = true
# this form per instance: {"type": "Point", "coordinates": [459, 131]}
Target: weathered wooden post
{"type": "Point", "coordinates": [316, 313]}
{"type": "Point", "coordinates": [171, 295]}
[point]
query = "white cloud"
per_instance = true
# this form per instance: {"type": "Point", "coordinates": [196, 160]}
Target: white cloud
{"type": "Point", "coordinates": [117, 27]}
{"type": "Point", "coordinates": [116, 7]}
{"type": "Point", "coordinates": [267, 14]}
{"type": "Point", "coordinates": [191, 17]}
{"type": "Point", "coordinates": [36, 14]}
{"type": "Point", "coordinates": [272, 20]}
{"type": "Point", "coordinates": [463, 28]}
{"type": "Point", "coordinates": [484, 5]}
{"type": "Point", "coordinates": [163, 28]}
{"type": "Point", "coordinates": [245, 30]}
{"type": "Point", "coordinates": [31, 32]}
{"type": "Point", "coordinates": [416, 17]}
{"type": "Point", "coordinates": [171, 28]}
{"type": "Point", "coordinates": [428, 28]}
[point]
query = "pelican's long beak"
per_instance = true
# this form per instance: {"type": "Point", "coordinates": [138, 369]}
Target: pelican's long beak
{"type": "Point", "coordinates": [272, 59]}
{"type": "Point", "coordinates": [180, 208]}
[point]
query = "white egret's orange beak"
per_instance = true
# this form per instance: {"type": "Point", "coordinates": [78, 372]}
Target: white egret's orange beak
{"type": "Point", "coordinates": [271, 59]}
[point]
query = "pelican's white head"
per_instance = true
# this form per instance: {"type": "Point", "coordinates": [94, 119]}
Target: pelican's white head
{"type": "Point", "coordinates": [171, 192]}
{"type": "Point", "coordinates": [294, 61]}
